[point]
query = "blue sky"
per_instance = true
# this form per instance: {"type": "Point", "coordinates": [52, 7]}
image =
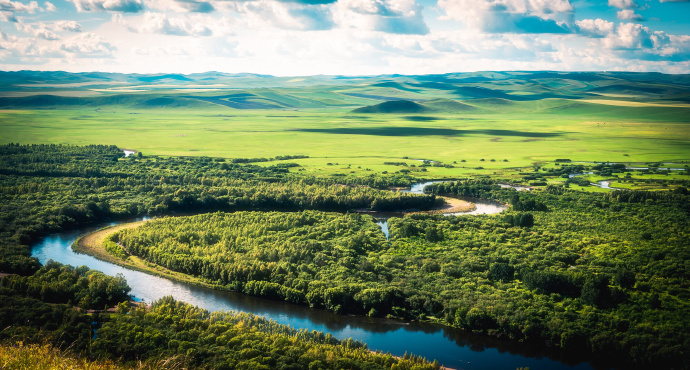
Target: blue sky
{"type": "Point", "coordinates": [344, 37]}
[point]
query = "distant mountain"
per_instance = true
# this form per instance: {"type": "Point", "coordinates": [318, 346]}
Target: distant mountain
{"type": "Point", "coordinates": [474, 92]}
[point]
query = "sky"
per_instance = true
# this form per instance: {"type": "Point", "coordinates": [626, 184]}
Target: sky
{"type": "Point", "coordinates": [344, 37]}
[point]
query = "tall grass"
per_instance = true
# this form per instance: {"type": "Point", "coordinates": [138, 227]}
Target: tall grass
{"type": "Point", "coordinates": [20, 356]}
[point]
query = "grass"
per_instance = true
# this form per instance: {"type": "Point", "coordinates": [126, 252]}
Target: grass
{"type": "Point", "coordinates": [368, 141]}
{"type": "Point", "coordinates": [21, 356]}
{"type": "Point", "coordinates": [500, 116]}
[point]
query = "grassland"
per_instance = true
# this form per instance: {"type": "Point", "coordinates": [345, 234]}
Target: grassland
{"type": "Point", "coordinates": [509, 120]}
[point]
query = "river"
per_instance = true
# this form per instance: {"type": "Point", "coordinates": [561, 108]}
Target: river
{"type": "Point", "coordinates": [482, 206]}
{"type": "Point", "coordinates": [451, 347]}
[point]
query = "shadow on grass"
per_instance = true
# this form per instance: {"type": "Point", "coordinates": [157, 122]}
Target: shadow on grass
{"type": "Point", "coordinates": [424, 131]}
{"type": "Point", "coordinates": [422, 118]}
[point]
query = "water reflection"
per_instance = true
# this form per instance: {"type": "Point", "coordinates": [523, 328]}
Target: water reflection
{"type": "Point", "coordinates": [451, 347]}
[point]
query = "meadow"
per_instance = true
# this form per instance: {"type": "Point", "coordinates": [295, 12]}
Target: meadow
{"type": "Point", "coordinates": [357, 124]}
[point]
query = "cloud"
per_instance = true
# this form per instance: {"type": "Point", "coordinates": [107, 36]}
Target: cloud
{"type": "Point", "coordinates": [184, 6]}
{"type": "Point", "coordinates": [379, 7]}
{"type": "Point", "coordinates": [195, 6]}
{"type": "Point", "coordinates": [49, 31]}
{"type": "Point", "coordinates": [7, 16]}
{"type": "Point", "coordinates": [595, 27]}
{"type": "Point", "coordinates": [49, 7]}
{"type": "Point", "coordinates": [161, 51]}
{"type": "Point", "coordinates": [413, 25]}
{"type": "Point", "coordinates": [40, 31]}
{"type": "Point", "coordinates": [629, 15]}
{"type": "Point", "coordinates": [46, 34]}
{"type": "Point", "coordinates": [623, 4]}
{"type": "Point", "coordinates": [16, 6]}
{"type": "Point", "coordinates": [286, 15]}
{"type": "Point", "coordinates": [88, 44]}
{"type": "Point", "coordinates": [125, 6]}
{"type": "Point", "coordinates": [71, 26]}
{"type": "Point", "coordinates": [18, 47]}
{"type": "Point", "coordinates": [309, 2]}
{"type": "Point", "coordinates": [630, 36]}
{"type": "Point", "coordinates": [8, 9]}
{"type": "Point", "coordinates": [390, 16]}
{"type": "Point", "coordinates": [162, 24]}
{"type": "Point", "coordinates": [512, 16]}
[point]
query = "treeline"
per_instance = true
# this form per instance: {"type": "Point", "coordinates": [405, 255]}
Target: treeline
{"type": "Point", "coordinates": [480, 188]}
{"type": "Point", "coordinates": [169, 334]}
{"type": "Point", "coordinates": [48, 188]}
{"type": "Point", "coordinates": [228, 340]}
{"type": "Point", "coordinates": [276, 158]}
{"type": "Point", "coordinates": [80, 286]}
{"type": "Point", "coordinates": [47, 307]}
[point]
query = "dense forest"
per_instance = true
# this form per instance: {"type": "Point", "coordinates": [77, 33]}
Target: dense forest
{"type": "Point", "coordinates": [47, 308]}
{"type": "Point", "coordinates": [606, 273]}
{"type": "Point", "coordinates": [47, 188]}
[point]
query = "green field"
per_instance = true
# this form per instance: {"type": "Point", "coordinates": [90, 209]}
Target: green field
{"type": "Point", "coordinates": [514, 119]}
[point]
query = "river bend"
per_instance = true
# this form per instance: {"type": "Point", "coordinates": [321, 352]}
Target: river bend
{"type": "Point", "coordinates": [453, 348]}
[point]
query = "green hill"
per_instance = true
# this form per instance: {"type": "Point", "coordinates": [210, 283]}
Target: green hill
{"type": "Point", "coordinates": [450, 106]}
{"type": "Point", "coordinates": [395, 106]}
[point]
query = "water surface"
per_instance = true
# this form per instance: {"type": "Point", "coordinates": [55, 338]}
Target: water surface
{"type": "Point", "coordinates": [451, 347]}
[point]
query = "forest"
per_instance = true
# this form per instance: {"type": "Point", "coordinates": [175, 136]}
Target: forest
{"type": "Point", "coordinates": [47, 188]}
{"type": "Point", "coordinates": [526, 275]}
{"type": "Point", "coordinates": [605, 273]}
{"type": "Point", "coordinates": [48, 307]}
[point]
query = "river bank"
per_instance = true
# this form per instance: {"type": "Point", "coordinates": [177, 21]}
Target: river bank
{"type": "Point", "coordinates": [452, 347]}
{"type": "Point", "coordinates": [92, 244]}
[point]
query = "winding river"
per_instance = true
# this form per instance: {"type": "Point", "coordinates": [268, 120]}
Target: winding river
{"type": "Point", "coordinates": [451, 347]}
{"type": "Point", "coordinates": [483, 206]}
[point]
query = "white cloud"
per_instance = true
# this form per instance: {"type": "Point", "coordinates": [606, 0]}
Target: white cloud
{"type": "Point", "coordinates": [16, 6]}
{"type": "Point", "coordinates": [634, 36]}
{"type": "Point", "coordinates": [193, 6]}
{"type": "Point", "coordinates": [41, 31]}
{"type": "Point", "coordinates": [162, 24]}
{"type": "Point", "coordinates": [88, 44]}
{"type": "Point", "coordinates": [289, 16]}
{"type": "Point", "coordinates": [49, 31]}
{"type": "Point", "coordinates": [623, 4]}
{"type": "Point", "coordinates": [46, 34]}
{"type": "Point", "coordinates": [49, 7]}
{"type": "Point", "coordinates": [628, 15]}
{"type": "Point", "coordinates": [381, 7]}
{"type": "Point", "coordinates": [126, 6]}
{"type": "Point", "coordinates": [9, 8]}
{"type": "Point", "coordinates": [161, 51]}
{"type": "Point", "coordinates": [71, 26]}
{"type": "Point", "coordinates": [595, 27]}
{"type": "Point", "coordinates": [514, 16]}
{"type": "Point", "coordinates": [389, 16]}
